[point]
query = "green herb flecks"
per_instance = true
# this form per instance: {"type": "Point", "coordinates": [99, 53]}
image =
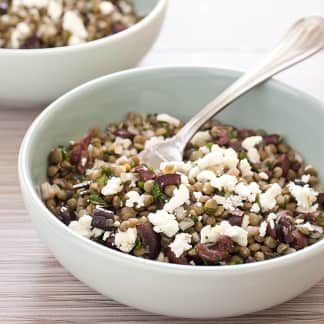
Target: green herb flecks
{"type": "Point", "coordinates": [158, 195]}
{"type": "Point", "coordinates": [96, 199]}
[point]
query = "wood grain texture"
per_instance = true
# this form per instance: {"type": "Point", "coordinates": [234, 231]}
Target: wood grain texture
{"type": "Point", "coordinates": [34, 288]}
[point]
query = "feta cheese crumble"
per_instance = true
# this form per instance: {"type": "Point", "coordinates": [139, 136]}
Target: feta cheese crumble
{"type": "Point", "coordinates": [125, 241]}
{"type": "Point", "coordinates": [134, 199]}
{"type": "Point", "coordinates": [181, 244]}
{"type": "Point", "coordinates": [311, 227]}
{"type": "Point", "coordinates": [168, 119]}
{"type": "Point", "coordinates": [249, 144]}
{"type": "Point", "coordinates": [225, 182]}
{"type": "Point", "coordinates": [113, 186]}
{"type": "Point", "coordinates": [164, 222]}
{"type": "Point", "coordinates": [247, 192]}
{"type": "Point", "coordinates": [305, 197]}
{"type": "Point", "coordinates": [268, 198]}
{"type": "Point", "coordinates": [180, 196]}
{"type": "Point", "coordinates": [201, 138]}
{"type": "Point", "coordinates": [106, 7]}
{"type": "Point", "coordinates": [210, 234]}
{"type": "Point", "coordinates": [74, 24]}
{"type": "Point", "coordinates": [83, 227]}
{"type": "Point", "coordinates": [245, 168]}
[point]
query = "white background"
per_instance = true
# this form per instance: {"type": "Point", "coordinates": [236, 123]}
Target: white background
{"type": "Point", "coordinates": [235, 34]}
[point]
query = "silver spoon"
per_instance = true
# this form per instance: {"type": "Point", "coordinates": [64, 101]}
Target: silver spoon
{"type": "Point", "coordinates": [303, 39]}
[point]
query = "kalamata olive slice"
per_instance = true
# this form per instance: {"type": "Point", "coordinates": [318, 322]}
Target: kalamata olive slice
{"type": "Point", "coordinates": [150, 240]}
{"type": "Point", "coordinates": [222, 137]}
{"type": "Point", "coordinates": [236, 145]}
{"type": "Point", "coordinates": [79, 153]}
{"type": "Point", "coordinates": [124, 133]}
{"type": "Point", "coordinates": [144, 173]}
{"type": "Point", "coordinates": [100, 211]}
{"type": "Point", "coordinates": [320, 198]}
{"type": "Point", "coordinates": [284, 229]}
{"type": "Point", "coordinates": [66, 215]}
{"type": "Point", "coordinates": [245, 132]}
{"type": "Point", "coordinates": [284, 163]}
{"type": "Point", "coordinates": [173, 259]}
{"type": "Point", "coordinates": [271, 231]}
{"type": "Point", "coordinates": [217, 252]}
{"type": "Point", "coordinates": [271, 139]}
{"type": "Point", "coordinates": [168, 179]}
{"type": "Point", "coordinates": [235, 220]}
{"type": "Point", "coordinates": [99, 222]}
{"type": "Point", "coordinates": [295, 165]}
{"type": "Point", "coordinates": [299, 241]}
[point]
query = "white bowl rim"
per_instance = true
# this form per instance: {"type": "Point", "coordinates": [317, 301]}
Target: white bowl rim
{"type": "Point", "coordinates": [151, 16]}
{"type": "Point", "coordinates": [25, 178]}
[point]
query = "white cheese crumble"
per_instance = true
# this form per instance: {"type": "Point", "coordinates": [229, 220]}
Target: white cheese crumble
{"type": "Point", "coordinates": [106, 235]}
{"type": "Point", "coordinates": [19, 34]}
{"type": "Point", "coordinates": [164, 222]}
{"type": "Point", "coordinates": [305, 178]}
{"type": "Point", "coordinates": [153, 140]}
{"type": "Point", "coordinates": [268, 198]}
{"type": "Point", "coordinates": [201, 138]}
{"type": "Point", "coordinates": [206, 175]}
{"type": "Point", "coordinates": [83, 227]}
{"type": "Point", "coordinates": [247, 192]}
{"type": "Point", "coordinates": [245, 168]}
{"type": "Point", "coordinates": [181, 244]}
{"type": "Point", "coordinates": [245, 221]}
{"type": "Point", "coordinates": [305, 197]}
{"type": "Point", "coordinates": [74, 24]}
{"type": "Point", "coordinates": [271, 219]}
{"type": "Point", "coordinates": [55, 9]}
{"type": "Point", "coordinates": [106, 7]}
{"type": "Point", "coordinates": [180, 196]}
{"type": "Point", "coordinates": [113, 186]}
{"type": "Point", "coordinates": [249, 144]}
{"type": "Point", "coordinates": [134, 199]}
{"type": "Point", "coordinates": [229, 203]}
{"type": "Point", "coordinates": [29, 3]}
{"type": "Point", "coordinates": [125, 241]}
{"type": "Point", "coordinates": [121, 144]}
{"type": "Point", "coordinates": [222, 157]}
{"type": "Point", "coordinates": [263, 176]}
{"type": "Point", "coordinates": [225, 182]}
{"type": "Point", "coordinates": [210, 234]}
{"type": "Point", "coordinates": [197, 195]}
{"type": "Point", "coordinates": [255, 208]}
{"type": "Point", "coordinates": [311, 227]}
{"type": "Point", "coordinates": [263, 229]}
{"type": "Point", "coordinates": [168, 119]}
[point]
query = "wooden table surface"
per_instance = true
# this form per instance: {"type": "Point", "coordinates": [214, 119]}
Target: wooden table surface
{"type": "Point", "coordinates": [34, 288]}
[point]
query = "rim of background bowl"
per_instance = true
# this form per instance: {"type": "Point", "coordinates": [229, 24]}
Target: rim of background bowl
{"type": "Point", "coordinates": [26, 182]}
{"type": "Point", "coordinates": [151, 16]}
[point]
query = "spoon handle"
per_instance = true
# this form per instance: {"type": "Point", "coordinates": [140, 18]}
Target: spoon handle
{"type": "Point", "coordinates": [303, 39]}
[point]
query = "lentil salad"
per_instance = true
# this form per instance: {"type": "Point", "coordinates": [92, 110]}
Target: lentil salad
{"type": "Point", "coordinates": [53, 23]}
{"type": "Point", "coordinates": [239, 196]}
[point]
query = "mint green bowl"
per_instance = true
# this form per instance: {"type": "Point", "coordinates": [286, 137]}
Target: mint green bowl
{"type": "Point", "coordinates": [200, 292]}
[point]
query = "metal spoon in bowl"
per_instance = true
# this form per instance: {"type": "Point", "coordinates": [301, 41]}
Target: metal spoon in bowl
{"type": "Point", "coordinates": [303, 39]}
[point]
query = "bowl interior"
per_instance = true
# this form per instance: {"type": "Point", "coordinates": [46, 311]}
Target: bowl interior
{"type": "Point", "coordinates": [143, 7]}
{"type": "Point", "coordinates": [180, 92]}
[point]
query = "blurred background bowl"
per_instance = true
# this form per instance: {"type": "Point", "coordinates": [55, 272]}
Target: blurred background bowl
{"type": "Point", "coordinates": [35, 77]}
